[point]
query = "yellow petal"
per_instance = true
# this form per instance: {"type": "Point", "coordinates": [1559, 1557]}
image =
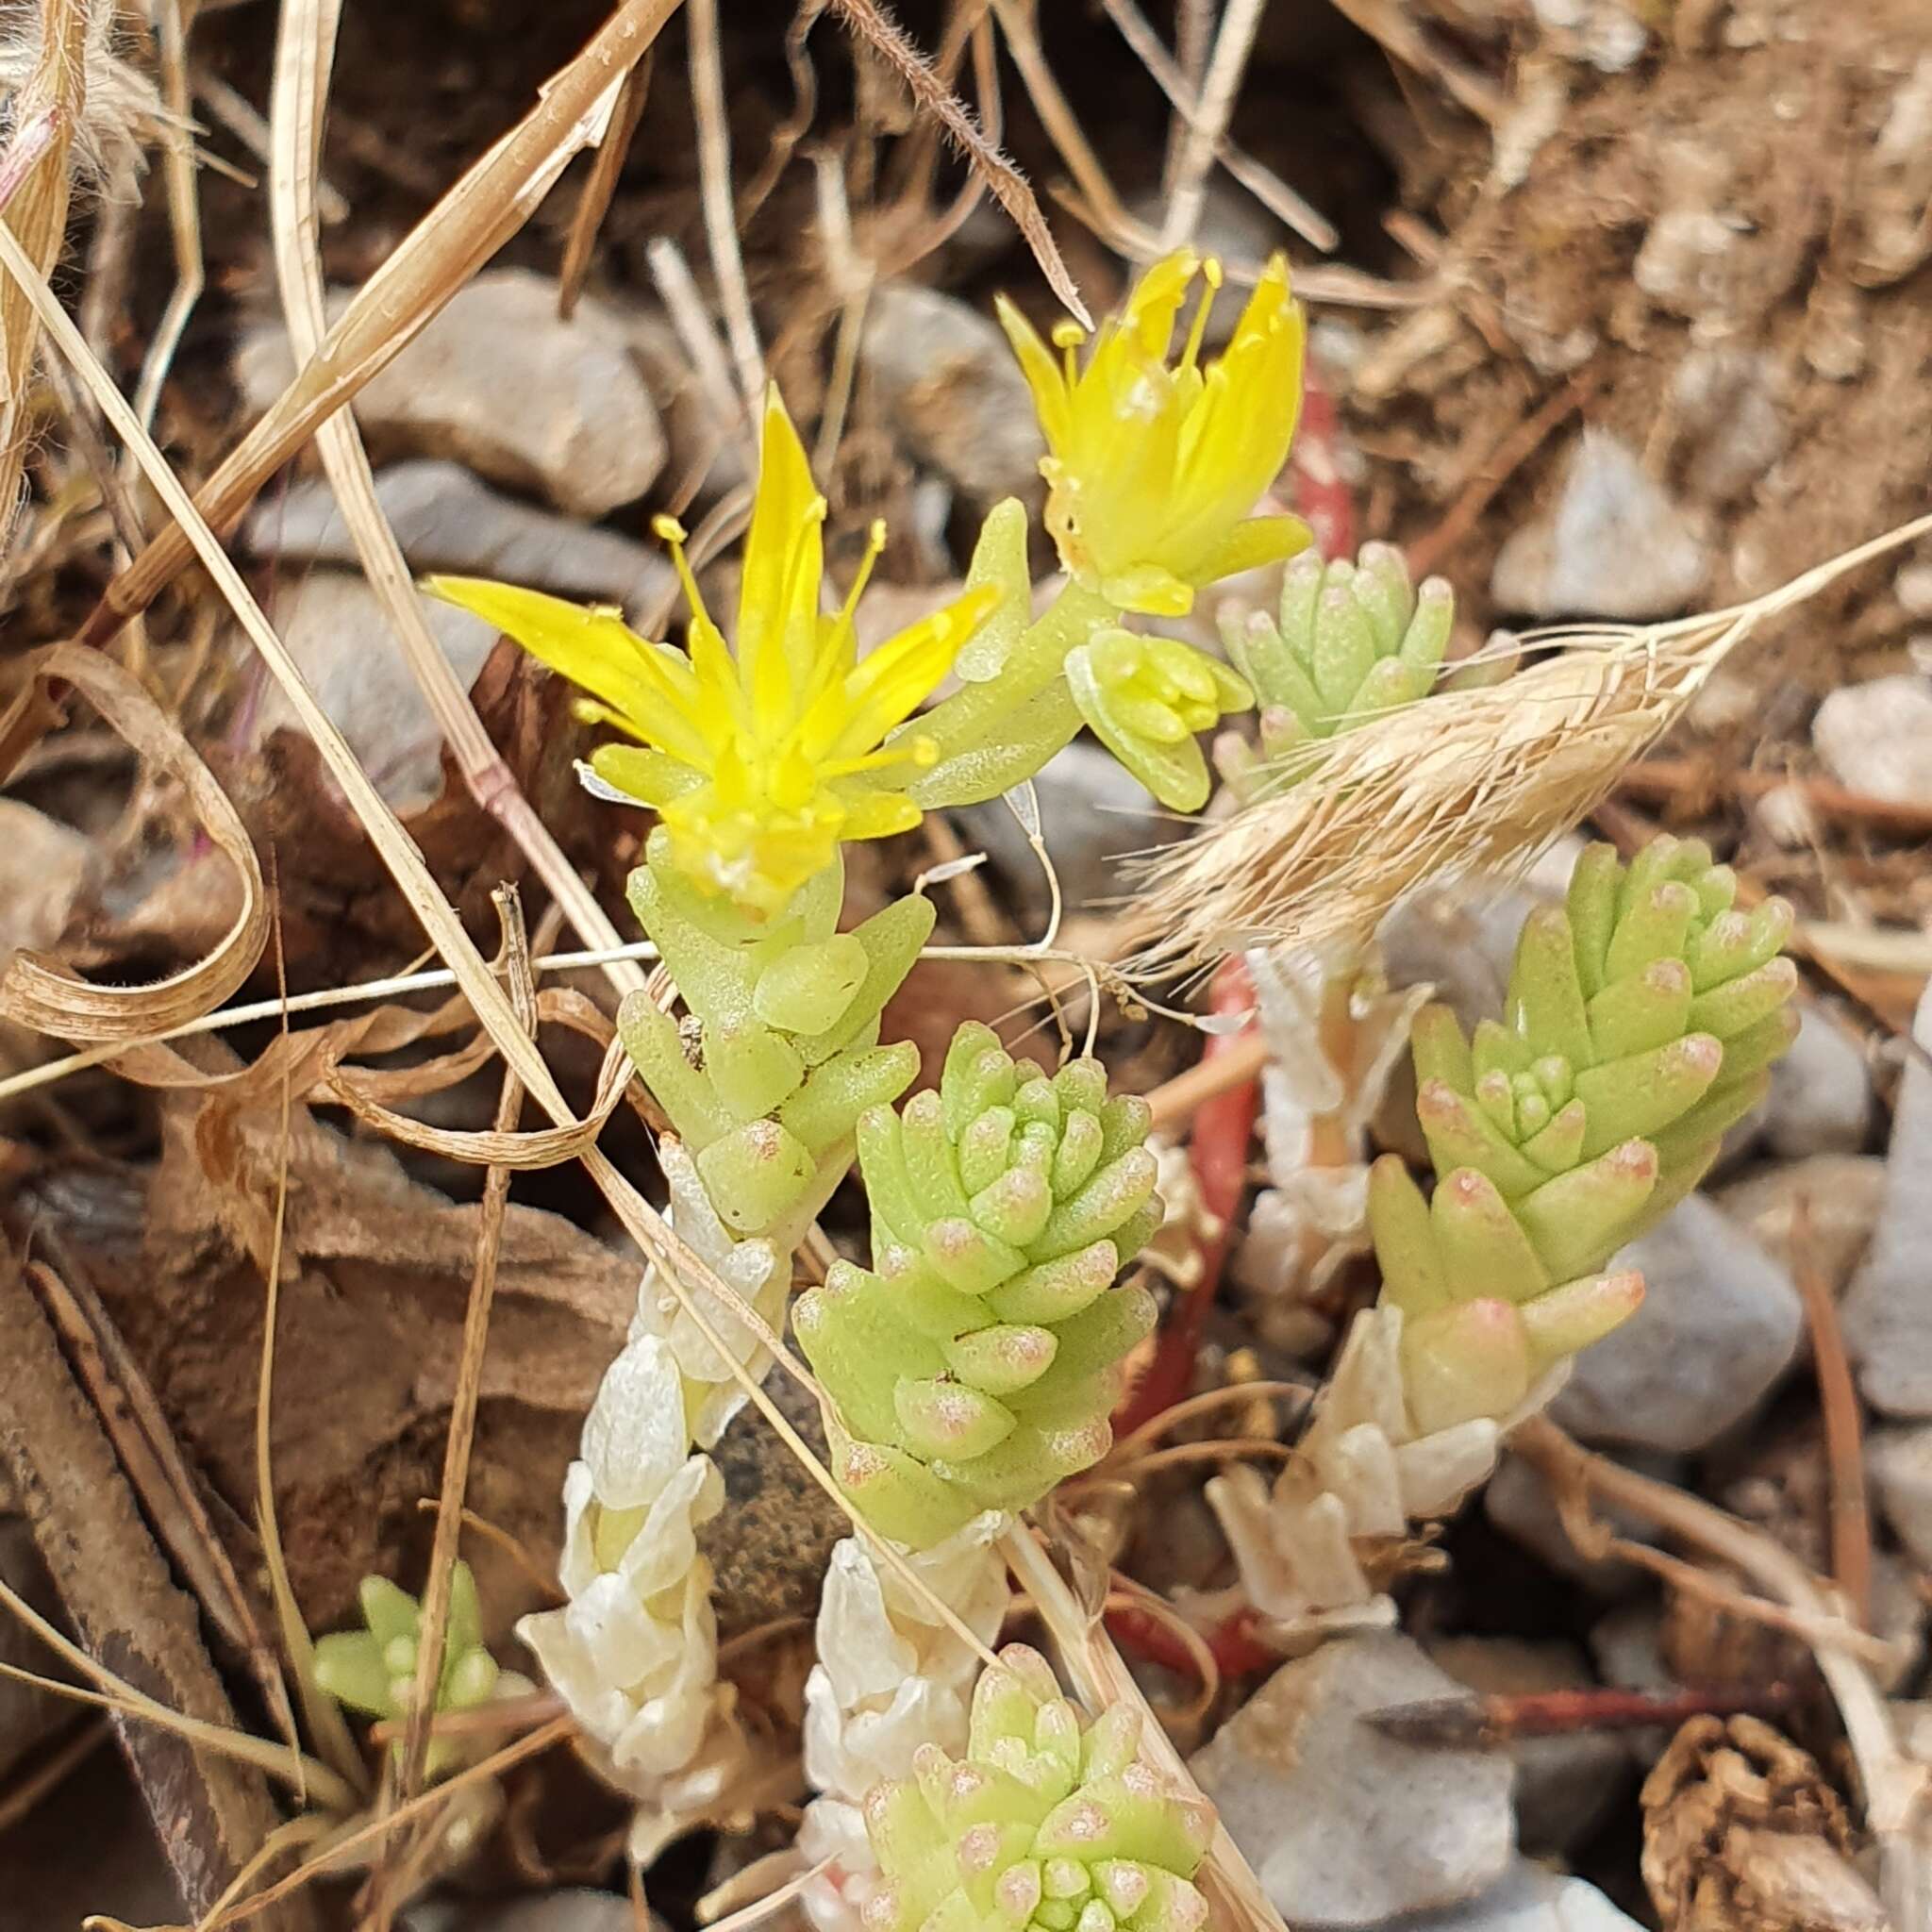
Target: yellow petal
{"type": "Point", "coordinates": [777, 603]}
{"type": "Point", "coordinates": [652, 689]}
{"type": "Point", "coordinates": [649, 776]}
{"type": "Point", "coordinates": [1250, 545]}
{"type": "Point", "coordinates": [1041, 372]}
{"type": "Point", "coordinates": [891, 682]}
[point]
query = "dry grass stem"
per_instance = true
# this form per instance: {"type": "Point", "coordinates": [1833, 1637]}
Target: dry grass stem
{"type": "Point", "coordinates": [184, 207]}
{"type": "Point", "coordinates": [50, 102]}
{"type": "Point", "coordinates": [462, 1418]}
{"type": "Point", "coordinates": [600, 183]}
{"type": "Point", "coordinates": [1469, 781]}
{"type": "Point", "coordinates": [42, 994]}
{"type": "Point", "coordinates": [305, 51]}
{"type": "Point", "coordinates": [1207, 123]}
{"type": "Point", "coordinates": [714, 194]}
{"type": "Point", "coordinates": [1172, 80]}
{"type": "Point", "coordinates": [1007, 186]}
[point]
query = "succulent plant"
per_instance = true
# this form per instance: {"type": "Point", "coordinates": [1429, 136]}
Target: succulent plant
{"type": "Point", "coordinates": [976, 1367]}
{"type": "Point", "coordinates": [1350, 640]}
{"type": "Point", "coordinates": [1643, 1019]}
{"type": "Point", "coordinates": [1044, 1823]}
{"type": "Point", "coordinates": [785, 1014]}
{"type": "Point", "coordinates": [374, 1669]}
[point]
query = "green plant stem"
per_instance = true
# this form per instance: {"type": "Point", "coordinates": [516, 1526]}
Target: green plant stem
{"type": "Point", "coordinates": [972, 727]}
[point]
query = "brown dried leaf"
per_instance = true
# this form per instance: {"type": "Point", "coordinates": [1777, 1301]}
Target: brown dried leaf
{"type": "Point", "coordinates": [1742, 1834]}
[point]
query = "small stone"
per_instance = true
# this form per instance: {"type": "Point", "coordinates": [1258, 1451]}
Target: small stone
{"type": "Point", "coordinates": [1614, 545]}
{"type": "Point", "coordinates": [1900, 1465]}
{"type": "Point", "coordinates": [1531, 1898]}
{"type": "Point", "coordinates": [1788, 818]}
{"type": "Point", "coordinates": [572, 1908]}
{"type": "Point", "coordinates": [1565, 1784]}
{"type": "Point", "coordinates": [1876, 738]}
{"type": "Point", "coordinates": [1839, 1194]}
{"type": "Point", "coordinates": [337, 632]}
{"type": "Point", "coordinates": [1885, 1309]}
{"type": "Point", "coordinates": [497, 381]}
{"type": "Point", "coordinates": [1346, 1826]}
{"type": "Point", "coordinates": [445, 519]}
{"type": "Point", "coordinates": [1684, 264]}
{"type": "Point", "coordinates": [1731, 402]}
{"type": "Point", "coordinates": [1821, 1092]}
{"type": "Point", "coordinates": [1721, 1322]}
{"type": "Point", "coordinates": [1834, 334]}
{"type": "Point", "coordinates": [948, 385]}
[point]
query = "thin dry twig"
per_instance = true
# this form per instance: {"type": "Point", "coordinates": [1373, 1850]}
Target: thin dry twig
{"type": "Point", "coordinates": [714, 195]}
{"type": "Point", "coordinates": [600, 183]}
{"type": "Point", "coordinates": [1474, 780]}
{"type": "Point", "coordinates": [1898, 1791]}
{"type": "Point", "coordinates": [1173, 77]}
{"type": "Point", "coordinates": [462, 1418]}
{"type": "Point", "coordinates": [1851, 1512]}
{"type": "Point", "coordinates": [1007, 186]}
{"type": "Point", "coordinates": [184, 208]}
{"type": "Point", "coordinates": [1207, 123]}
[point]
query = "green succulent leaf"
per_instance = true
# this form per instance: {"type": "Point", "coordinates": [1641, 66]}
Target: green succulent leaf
{"type": "Point", "coordinates": [1640, 1020]}
{"type": "Point", "coordinates": [1046, 1823]}
{"type": "Point", "coordinates": [974, 1365]}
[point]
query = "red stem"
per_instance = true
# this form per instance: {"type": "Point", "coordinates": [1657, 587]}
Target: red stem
{"type": "Point", "coordinates": [1218, 1152]}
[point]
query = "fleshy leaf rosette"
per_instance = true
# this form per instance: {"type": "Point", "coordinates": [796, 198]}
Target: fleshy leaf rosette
{"type": "Point", "coordinates": [1643, 1019]}
{"type": "Point", "coordinates": [374, 1669]}
{"type": "Point", "coordinates": [1046, 1824]}
{"type": "Point", "coordinates": [1350, 641]}
{"type": "Point", "coordinates": [976, 1366]}
{"type": "Point", "coordinates": [785, 1014]}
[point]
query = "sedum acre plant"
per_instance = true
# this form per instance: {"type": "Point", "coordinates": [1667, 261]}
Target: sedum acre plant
{"type": "Point", "coordinates": [374, 1669]}
{"type": "Point", "coordinates": [1349, 640]}
{"type": "Point", "coordinates": [1642, 1019]}
{"type": "Point", "coordinates": [978, 1367]}
{"type": "Point", "coordinates": [1046, 1823]}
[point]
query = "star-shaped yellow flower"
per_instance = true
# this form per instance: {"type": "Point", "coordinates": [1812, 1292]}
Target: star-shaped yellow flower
{"type": "Point", "coordinates": [759, 764]}
{"type": "Point", "coordinates": [1155, 468]}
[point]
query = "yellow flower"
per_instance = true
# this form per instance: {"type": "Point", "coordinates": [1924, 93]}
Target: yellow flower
{"type": "Point", "coordinates": [1154, 469]}
{"type": "Point", "coordinates": [759, 764]}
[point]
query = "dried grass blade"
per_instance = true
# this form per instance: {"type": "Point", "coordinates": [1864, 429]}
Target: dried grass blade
{"type": "Point", "coordinates": [493, 200]}
{"type": "Point", "coordinates": [600, 183]}
{"type": "Point", "coordinates": [50, 106]}
{"type": "Point", "coordinates": [116, 1694]}
{"type": "Point", "coordinates": [1005, 181]}
{"type": "Point", "coordinates": [44, 995]}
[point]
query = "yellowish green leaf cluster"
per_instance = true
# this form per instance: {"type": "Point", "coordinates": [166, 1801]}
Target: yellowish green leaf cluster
{"type": "Point", "coordinates": [1045, 1824]}
{"type": "Point", "coordinates": [785, 1015]}
{"type": "Point", "coordinates": [374, 1669]}
{"type": "Point", "coordinates": [1643, 1019]}
{"type": "Point", "coordinates": [976, 1368]}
